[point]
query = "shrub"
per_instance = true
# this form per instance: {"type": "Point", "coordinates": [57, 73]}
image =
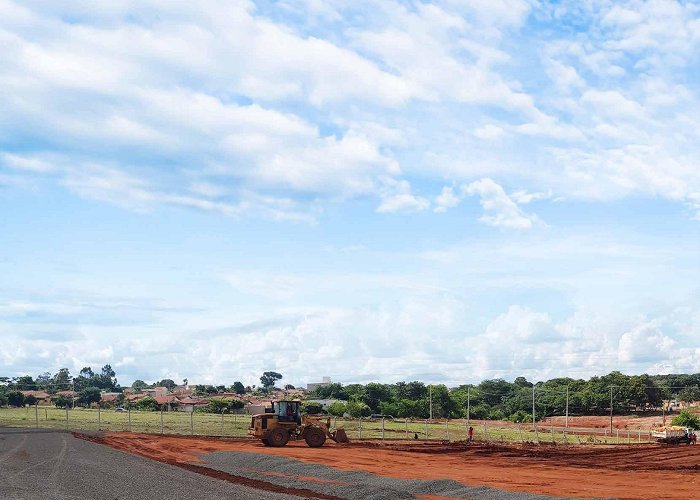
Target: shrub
{"type": "Point", "coordinates": [312, 408]}
{"type": "Point", "coordinates": [15, 398]}
{"type": "Point", "coordinates": [686, 419]}
{"type": "Point", "coordinates": [337, 408]}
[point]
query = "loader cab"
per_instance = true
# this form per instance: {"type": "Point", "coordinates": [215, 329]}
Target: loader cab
{"type": "Point", "coordinates": [288, 411]}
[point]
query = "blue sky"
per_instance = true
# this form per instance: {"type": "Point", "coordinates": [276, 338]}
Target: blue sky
{"type": "Point", "coordinates": [446, 191]}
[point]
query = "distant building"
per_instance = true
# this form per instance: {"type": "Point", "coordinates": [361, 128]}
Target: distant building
{"type": "Point", "coordinates": [314, 386]}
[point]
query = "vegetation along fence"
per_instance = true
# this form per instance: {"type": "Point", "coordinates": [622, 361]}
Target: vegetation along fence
{"type": "Point", "coordinates": [236, 426]}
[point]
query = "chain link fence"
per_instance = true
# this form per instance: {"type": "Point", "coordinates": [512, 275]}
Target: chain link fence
{"type": "Point", "coordinates": [236, 426]}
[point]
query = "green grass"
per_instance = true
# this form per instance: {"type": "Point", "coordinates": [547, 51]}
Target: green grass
{"type": "Point", "coordinates": [237, 426]}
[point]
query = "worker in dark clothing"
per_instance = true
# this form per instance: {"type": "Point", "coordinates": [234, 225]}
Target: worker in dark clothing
{"type": "Point", "coordinates": [470, 433]}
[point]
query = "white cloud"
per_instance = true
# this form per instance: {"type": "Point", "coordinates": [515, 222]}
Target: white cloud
{"type": "Point", "coordinates": [499, 209]}
{"type": "Point", "coordinates": [397, 197]}
{"type": "Point", "coordinates": [488, 132]}
{"type": "Point", "coordinates": [446, 199]}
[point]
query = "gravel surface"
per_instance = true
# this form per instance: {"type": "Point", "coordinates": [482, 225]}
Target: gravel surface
{"type": "Point", "coordinates": [48, 465]}
{"type": "Point", "coordinates": [352, 485]}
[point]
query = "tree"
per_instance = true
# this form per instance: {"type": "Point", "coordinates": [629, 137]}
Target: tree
{"type": "Point", "coordinates": [107, 378]}
{"type": "Point", "coordinates": [61, 381]}
{"type": "Point", "coordinates": [689, 395]}
{"type": "Point", "coordinates": [15, 398]}
{"type": "Point", "coordinates": [167, 383]}
{"type": "Point", "coordinates": [61, 401]}
{"type": "Point", "coordinates": [358, 409]}
{"type": "Point", "coordinates": [269, 379]}
{"type": "Point", "coordinates": [289, 387]}
{"type": "Point", "coordinates": [238, 388]}
{"type": "Point", "coordinates": [147, 404]}
{"type": "Point", "coordinates": [25, 383]}
{"type": "Point", "coordinates": [43, 381]}
{"type": "Point", "coordinates": [88, 396]}
{"type": "Point", "coordinates": [30, 400]}
{"type": "Point", "coordinates": [686, 419]}
{"type": "Point", "coordinates": [139, 385]}
{"type": "Point", "coordinates": [337, 408]}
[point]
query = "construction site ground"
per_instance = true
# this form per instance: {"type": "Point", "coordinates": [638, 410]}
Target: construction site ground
{"type": "Point", "coordinates": [433, 470]}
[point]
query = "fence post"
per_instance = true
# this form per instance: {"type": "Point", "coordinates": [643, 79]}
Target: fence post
{"type": "Point", "coordinates": [360, 428]}
{"type": "Point", "coordinates": [486, 436]}
{"type": "Point", "coordinates": [98, 417]}
{"type": "Point", "coordinates": [222, 423]}
{"type": "Point", "coordinates": [382, 428]}
{"type": "Point", "coordinates": [447, 428]}
{"type": "Point", "coordinates": [46, 414]}
{"type": "Point", "coordinates": [426, 430]}
{"type": "Point", "coordinates": [405, 424]}
{"type": "Point", "coordinates": [36, 414]}
{"type": "Point", "coordinates": [192, 421]}
{"type": "Point", "coordinates": [235, 422]}
{"type": "Point", "coordinates": [520, 432]}
{"type": "Point", "coordinates": [618, 436]}
{"type": "Point", "coordinates": [640, 436]}
{"type": "Point", "coordinates": [129, 413]}
{"type": "Point", "coordinates": [628, 436]}
{"type": "Point", "coordinates": [551, 431]}
{"type": "Point", "coordinates": [66, 416]}
{"type": "Point", "coordinates": [161, 420]}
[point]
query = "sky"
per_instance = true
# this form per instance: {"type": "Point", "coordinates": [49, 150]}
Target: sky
{"type": "Point", "coordinates": [442, 191]}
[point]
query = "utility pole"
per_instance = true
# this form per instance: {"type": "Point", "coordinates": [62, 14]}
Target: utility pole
{"type": "Point", "coordinates": [611, 410]}
{"type": "Point", "coordinates": [430, 396]}
{"type": "Point", "coordinates": [566, 418]}
{"type": "Point", "coordinates": [468, 405]}
{"type": "Point", "coordinates": [533, 405]}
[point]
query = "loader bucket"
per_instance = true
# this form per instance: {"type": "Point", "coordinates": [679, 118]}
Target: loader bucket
{"type": "Point", "coordinates": [339, 436]}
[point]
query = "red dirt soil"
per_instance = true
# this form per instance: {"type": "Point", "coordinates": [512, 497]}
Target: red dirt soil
{"type": "Point", "coordinates": [626, 472]}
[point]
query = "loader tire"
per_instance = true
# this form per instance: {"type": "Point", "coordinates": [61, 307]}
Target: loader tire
{"type": "Point", "coordinates": [265, 442]}
{"type": "Point", "coordinates": [314, 437]}
{"type": "Point", "coordinates": [278, 436]}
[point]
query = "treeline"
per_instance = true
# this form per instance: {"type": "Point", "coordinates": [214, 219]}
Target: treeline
{"type": "Point", "coordinates": [498, 399]}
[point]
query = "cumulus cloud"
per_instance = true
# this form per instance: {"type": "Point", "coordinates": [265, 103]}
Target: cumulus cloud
{"type": "Point", "coordinates": [499, 209]}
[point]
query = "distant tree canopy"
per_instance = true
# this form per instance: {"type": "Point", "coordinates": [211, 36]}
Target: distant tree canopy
{"type": "Point", "coordinates": [139, 385]}
{"type": "Point", "coordinates": [166, 382]}
{"type": "Point", "coordinates": [686, 419]}
{"type": "Point", "coordinates": [238, 388]}
{"type": "Point", "coordinates": [269, 379]}
{"type": "Point", "coordinates": [500, 399]}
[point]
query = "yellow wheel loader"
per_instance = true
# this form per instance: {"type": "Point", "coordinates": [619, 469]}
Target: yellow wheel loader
{"type": "Point", "coordinates": [283, 421]}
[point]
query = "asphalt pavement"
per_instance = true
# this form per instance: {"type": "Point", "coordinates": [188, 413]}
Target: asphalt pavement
{"type": "Point", "coordinates": [48, 465]}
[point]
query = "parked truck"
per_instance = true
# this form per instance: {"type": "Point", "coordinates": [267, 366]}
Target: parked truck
{"type": "Point", "coordinates": [671, 434]}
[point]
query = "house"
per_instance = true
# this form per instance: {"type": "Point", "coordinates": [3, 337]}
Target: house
{"type": "Point", "coordinates": [189, 403]}
{"type": "Point", "coordinates": [168, 402]}
{"type": "Point", "coordinates": [156, 391]}
{"type": "Point", "coordinates": [43, 398]}
{"type": "Point", "coordinates": [109, 397]}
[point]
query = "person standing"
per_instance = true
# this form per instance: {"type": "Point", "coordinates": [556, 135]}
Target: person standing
{"type": "Point", "coordinates": [470, 434]}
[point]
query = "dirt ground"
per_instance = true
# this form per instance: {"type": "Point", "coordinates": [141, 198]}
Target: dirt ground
{"type": "Point", "coordinates": [626, 472]}
{"type": "Point", "coordinates": [602, 422]}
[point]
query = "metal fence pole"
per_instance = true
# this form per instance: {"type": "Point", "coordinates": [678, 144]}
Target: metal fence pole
{"type": "Point", "coordinates": [628, 436]}
{"type": "Point", "coordinates": [192, 421]}
{"type": "Point", "coordinates": [66, 416]}
{"type": "Point", "coordinates": [520, 432]}
{"type": "Point", "coordinates": [382, 428]}
{"type": "Point", "coordinates": [129, 414]}
{"type": "Point", "coordinates": [426, 430]}
{"type": "Point", "coordinates": [618, 436]}
{"type": "Point", "coordinates": [36, 414]}
{"type": "Point", "coordinates": [161, 421]}
{"type": "Point", "coordinates": [405, 424]}
{"type": "Point", "coordinates": [98, 417]}
{"type": "Point", "coordinates": [222, 424]}
{"type": "Point", "coordinates": [447, 428]}
{"type": "Point", "coordinates": [486, 435]}
{"type": "Point", "coordinates": [640, 436]}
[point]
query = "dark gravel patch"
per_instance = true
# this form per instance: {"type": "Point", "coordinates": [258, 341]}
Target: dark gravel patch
{"type": "Point", "coordinates": [352, 485]}
{"type": "Point", "coordinates": [55, 465]}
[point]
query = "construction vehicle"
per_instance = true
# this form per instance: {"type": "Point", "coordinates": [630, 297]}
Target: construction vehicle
{"type": "Point", "coordinates": [671, 434]}
{"type": "Point", "coordinates": [283, 421]}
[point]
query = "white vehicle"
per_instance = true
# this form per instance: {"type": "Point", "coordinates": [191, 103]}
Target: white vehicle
{"type": "Point", "coordinates": [672, 434]}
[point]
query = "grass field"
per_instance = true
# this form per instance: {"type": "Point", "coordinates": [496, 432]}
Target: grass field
{"type": "Point", "coordinates": [226, 425]}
